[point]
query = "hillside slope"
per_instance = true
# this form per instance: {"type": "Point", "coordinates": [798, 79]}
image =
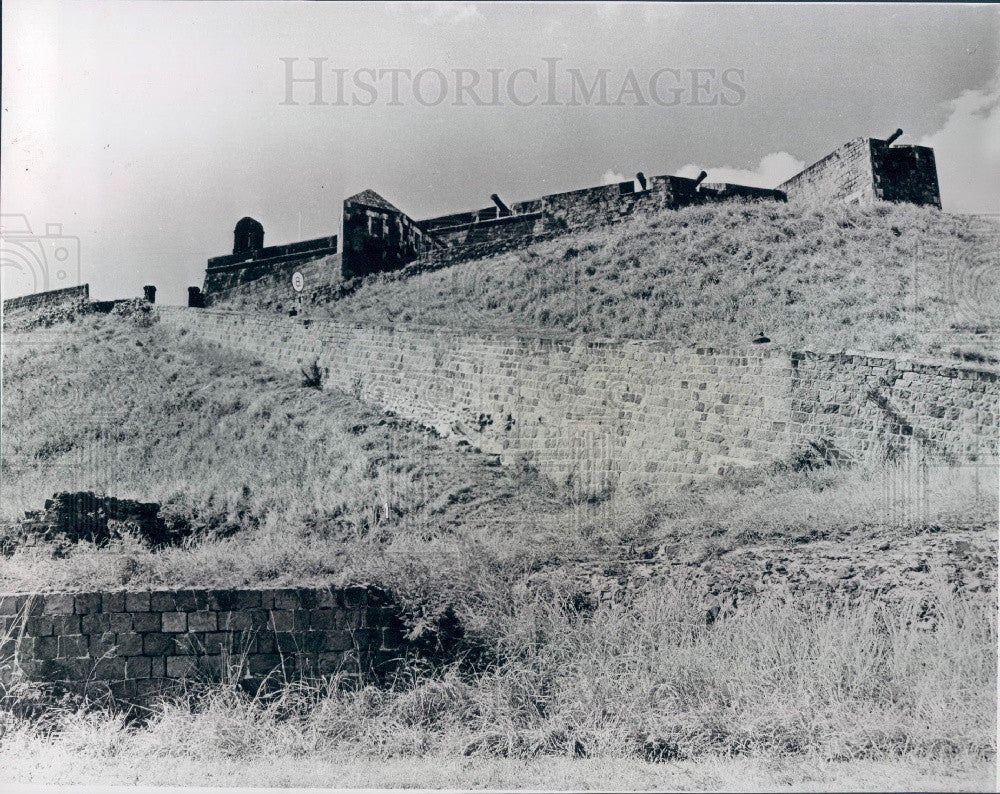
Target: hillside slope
{"type": "Point", "coordinates": [890, 277]}
{"type": "Point", "coordinates": [284, 483]}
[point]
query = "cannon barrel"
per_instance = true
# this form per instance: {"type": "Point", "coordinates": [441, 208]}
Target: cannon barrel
{"type": "Point", "coordinates": [641, 179]}
{"type": "Point", "coordinates": [891, 138]}
{"type": "Point", "coordinates": [701, 178]}
{"type": "Point", "coordinates": [504, 209]}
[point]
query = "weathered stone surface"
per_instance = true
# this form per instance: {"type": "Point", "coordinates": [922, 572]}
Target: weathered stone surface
{"type": "Point", "coordinates": [601, 415]}
{"type": "Point", "coordinates": [84, 515]}
{"type": "Point", "coordinates": [135, 643]}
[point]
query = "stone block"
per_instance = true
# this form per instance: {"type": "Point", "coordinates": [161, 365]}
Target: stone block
{"type": "Point", "coordinates": [282, 620]}
{"type": "Point", "coordinates": [137, 602]}
{"type": "Point", "coordinates": [146, 621]}
{"type": "Point", "coordinates": [235, 621]}
{"type": "Point", "coordinates": [173, 622]}
{"type": "Point", "coordinates": [11, 605]}
{"type": "Point", "coordinates": [325, 619]}
{"type": "Point", "coordinates": [71, 646]}
{"type": "Point", "coordinates": [162, 601]}
{"type": "Point", "coordinates": [128, 644]}
{"type": "Point", "coordinates": [87, 603]}
{"type": "Point", "coordinates": [121, 621]}
{"type": "Point", "coordinates": [57, 604]}
{"type": "Point", "coordinates": [65, 624]}
{"type": "Point", "coordinates": [156, 644]}
{"type": "Point", "coordinates": [101, 644]}
{"type": "Point", "coordinates": [338, 641]}
{"type": "Point", "coordinates": [286, 599]}
{"type": "Point", "coordinates": [261, 664]}
{"type": "Point", "coordinates": [190, 600]}
{"type": "Point", "coordinates": [180, 666]}
{"type": "Point", "coordinates": [138, 667]}
{"type": "Point", "coordinates": [202, 621]}
{"type": "Point", "coordinates": [113, 602]}
{"type": "Point", "coordinates": [95, 622]}
{"type": "Point", "coordinates": [112, 669]}
{"type": "Point", "coordinates": [45, 648]}
{"type": "Point", "coordinates": [38, 626]}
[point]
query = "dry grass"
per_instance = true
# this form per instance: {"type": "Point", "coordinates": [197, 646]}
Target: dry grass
{"type": "Point", "coordinates": [891, 277]}
{"type": "Point", "coordinates": [651, 682]}
{"type": "Point", "coordinates": [287, 484]}
{"type": "Point", "coordinates": [291, 484]}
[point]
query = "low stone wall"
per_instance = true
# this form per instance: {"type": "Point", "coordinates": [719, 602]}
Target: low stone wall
{"type": "Point", "coordinates": [69, 296]}
{"type": "Point", "coordinates": [138, 644]}
{"type": "Point", "coordinates": [599, 415]}
{"type": "Point", "coordinates": [269, 287]}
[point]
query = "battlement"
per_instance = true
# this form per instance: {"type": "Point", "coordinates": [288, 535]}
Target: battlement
{"type": "Point", "coordinates": [866, 170]}
{"type": "Point", "coordinates": [379, 237]}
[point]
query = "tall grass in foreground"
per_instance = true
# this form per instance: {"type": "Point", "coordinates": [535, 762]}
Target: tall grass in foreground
{"type": "Point", "coordinates": [651, 680]}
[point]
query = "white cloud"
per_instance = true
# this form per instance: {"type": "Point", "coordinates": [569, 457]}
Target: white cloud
{"type": "Point", "coordinates": [773, 169]}
{"type": "Point", "coordinates": [610, 177]}
{"type": "Point", "coordinates": [967, 152]}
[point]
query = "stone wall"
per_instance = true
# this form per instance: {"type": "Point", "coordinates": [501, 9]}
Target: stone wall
{"type": "Point", "coordinates": [599, 415]}
{"type": "Point", "coordinates": [233, 274]}
{"type": "Point", "coordinates": [377, 236]}
{"type": "Point", "coordinates": [68, 297]}
{"type": "Point", "coordinates": [905, 173]}
{"type": "Point", "coordinates": [271, 289]}
{"type": "Point", "coordinates": [867, 170]}
{"type": "Point", "coordinates": [880, 406]}
{"type": "Point", "coordinates": [136, 644]}
{"type": "Point", "coordinates": [467, 236]}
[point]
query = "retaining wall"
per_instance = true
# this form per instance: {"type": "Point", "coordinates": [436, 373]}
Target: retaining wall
{"type": "Point", "coordinates": [43, 300]}
{"type": "Point", "coordinates": [598, 415]}
{"type": "Point", "coordinates": [138, 644]}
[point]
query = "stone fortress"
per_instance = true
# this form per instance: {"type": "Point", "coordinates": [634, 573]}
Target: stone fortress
{"type": "Point", "coordinates": [378, 237]}
{"type": "Point", "coordinates": [594, 415]}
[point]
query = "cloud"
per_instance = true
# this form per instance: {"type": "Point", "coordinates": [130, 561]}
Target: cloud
{"type": "Point", "coordinates": [773, 169]}
{"type": "Point", "coordinates": [445, 13]}
{"type": "Point", "coordinates": [967, 151]}
{"type": "Point", "coordinates": [611, 177]}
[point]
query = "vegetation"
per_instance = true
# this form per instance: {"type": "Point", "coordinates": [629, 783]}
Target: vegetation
{"type": "Point", "coordinates": [890, 277]}
{"type": "Point", "coordinates": [864, 627]}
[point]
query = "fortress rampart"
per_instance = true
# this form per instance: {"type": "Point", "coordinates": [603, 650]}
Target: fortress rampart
{"type": "Point", "coordinates": [68, 297]}
{"type": "Point", "coordinates": [599, 415]}
{"type": "Point", "coordinates": [378, 237]}
{"type": "Point", "coordinates": [867, 170]}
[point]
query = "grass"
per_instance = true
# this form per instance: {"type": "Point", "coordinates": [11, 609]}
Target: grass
{"type": "Point", "coordinates": [288, 484]}
{"type": "Point", "coordinates": [285, 483]}
{"type": "Point", "coordinates": [890, 277]}
{"type": "Point", "coordinates": [652, 682]}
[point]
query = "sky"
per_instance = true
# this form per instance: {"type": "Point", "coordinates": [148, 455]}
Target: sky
{"type": "Point", "coordinates": [136, 134]}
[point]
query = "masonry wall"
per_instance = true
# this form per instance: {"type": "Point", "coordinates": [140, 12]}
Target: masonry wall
{"type": "Point", "coordinates": [600, 415]}
{"type": "Point", "coordinates": [843, 175]}
{"type": "Point", "coordinates": [68, 296]}
{"type": "Point", "coordinates": [271, 288]}
{"type": "Point", "coordinates": [137, 644]}
{"type": "Point", "coordinates": [468, 236]}
{"type": "Point", "coordinates": [905, 173]}
{"type": "Point", "coordinates": [234, 274]}
{"type": "Point", "coordinates": [866, 170]}
{"type": "Point", "coordinates": [875, 407]}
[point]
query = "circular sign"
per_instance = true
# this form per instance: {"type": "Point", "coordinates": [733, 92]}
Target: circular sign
{"type": "Point", "coordinates": [297, 281]}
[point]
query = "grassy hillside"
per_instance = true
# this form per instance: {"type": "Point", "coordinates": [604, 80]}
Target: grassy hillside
{"type": "Point", "coordinates": [824, 656]}
{"type": "Point", "coordinates": [329, 490]}
{"type": "Point", "coordinates": [892, 277]}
